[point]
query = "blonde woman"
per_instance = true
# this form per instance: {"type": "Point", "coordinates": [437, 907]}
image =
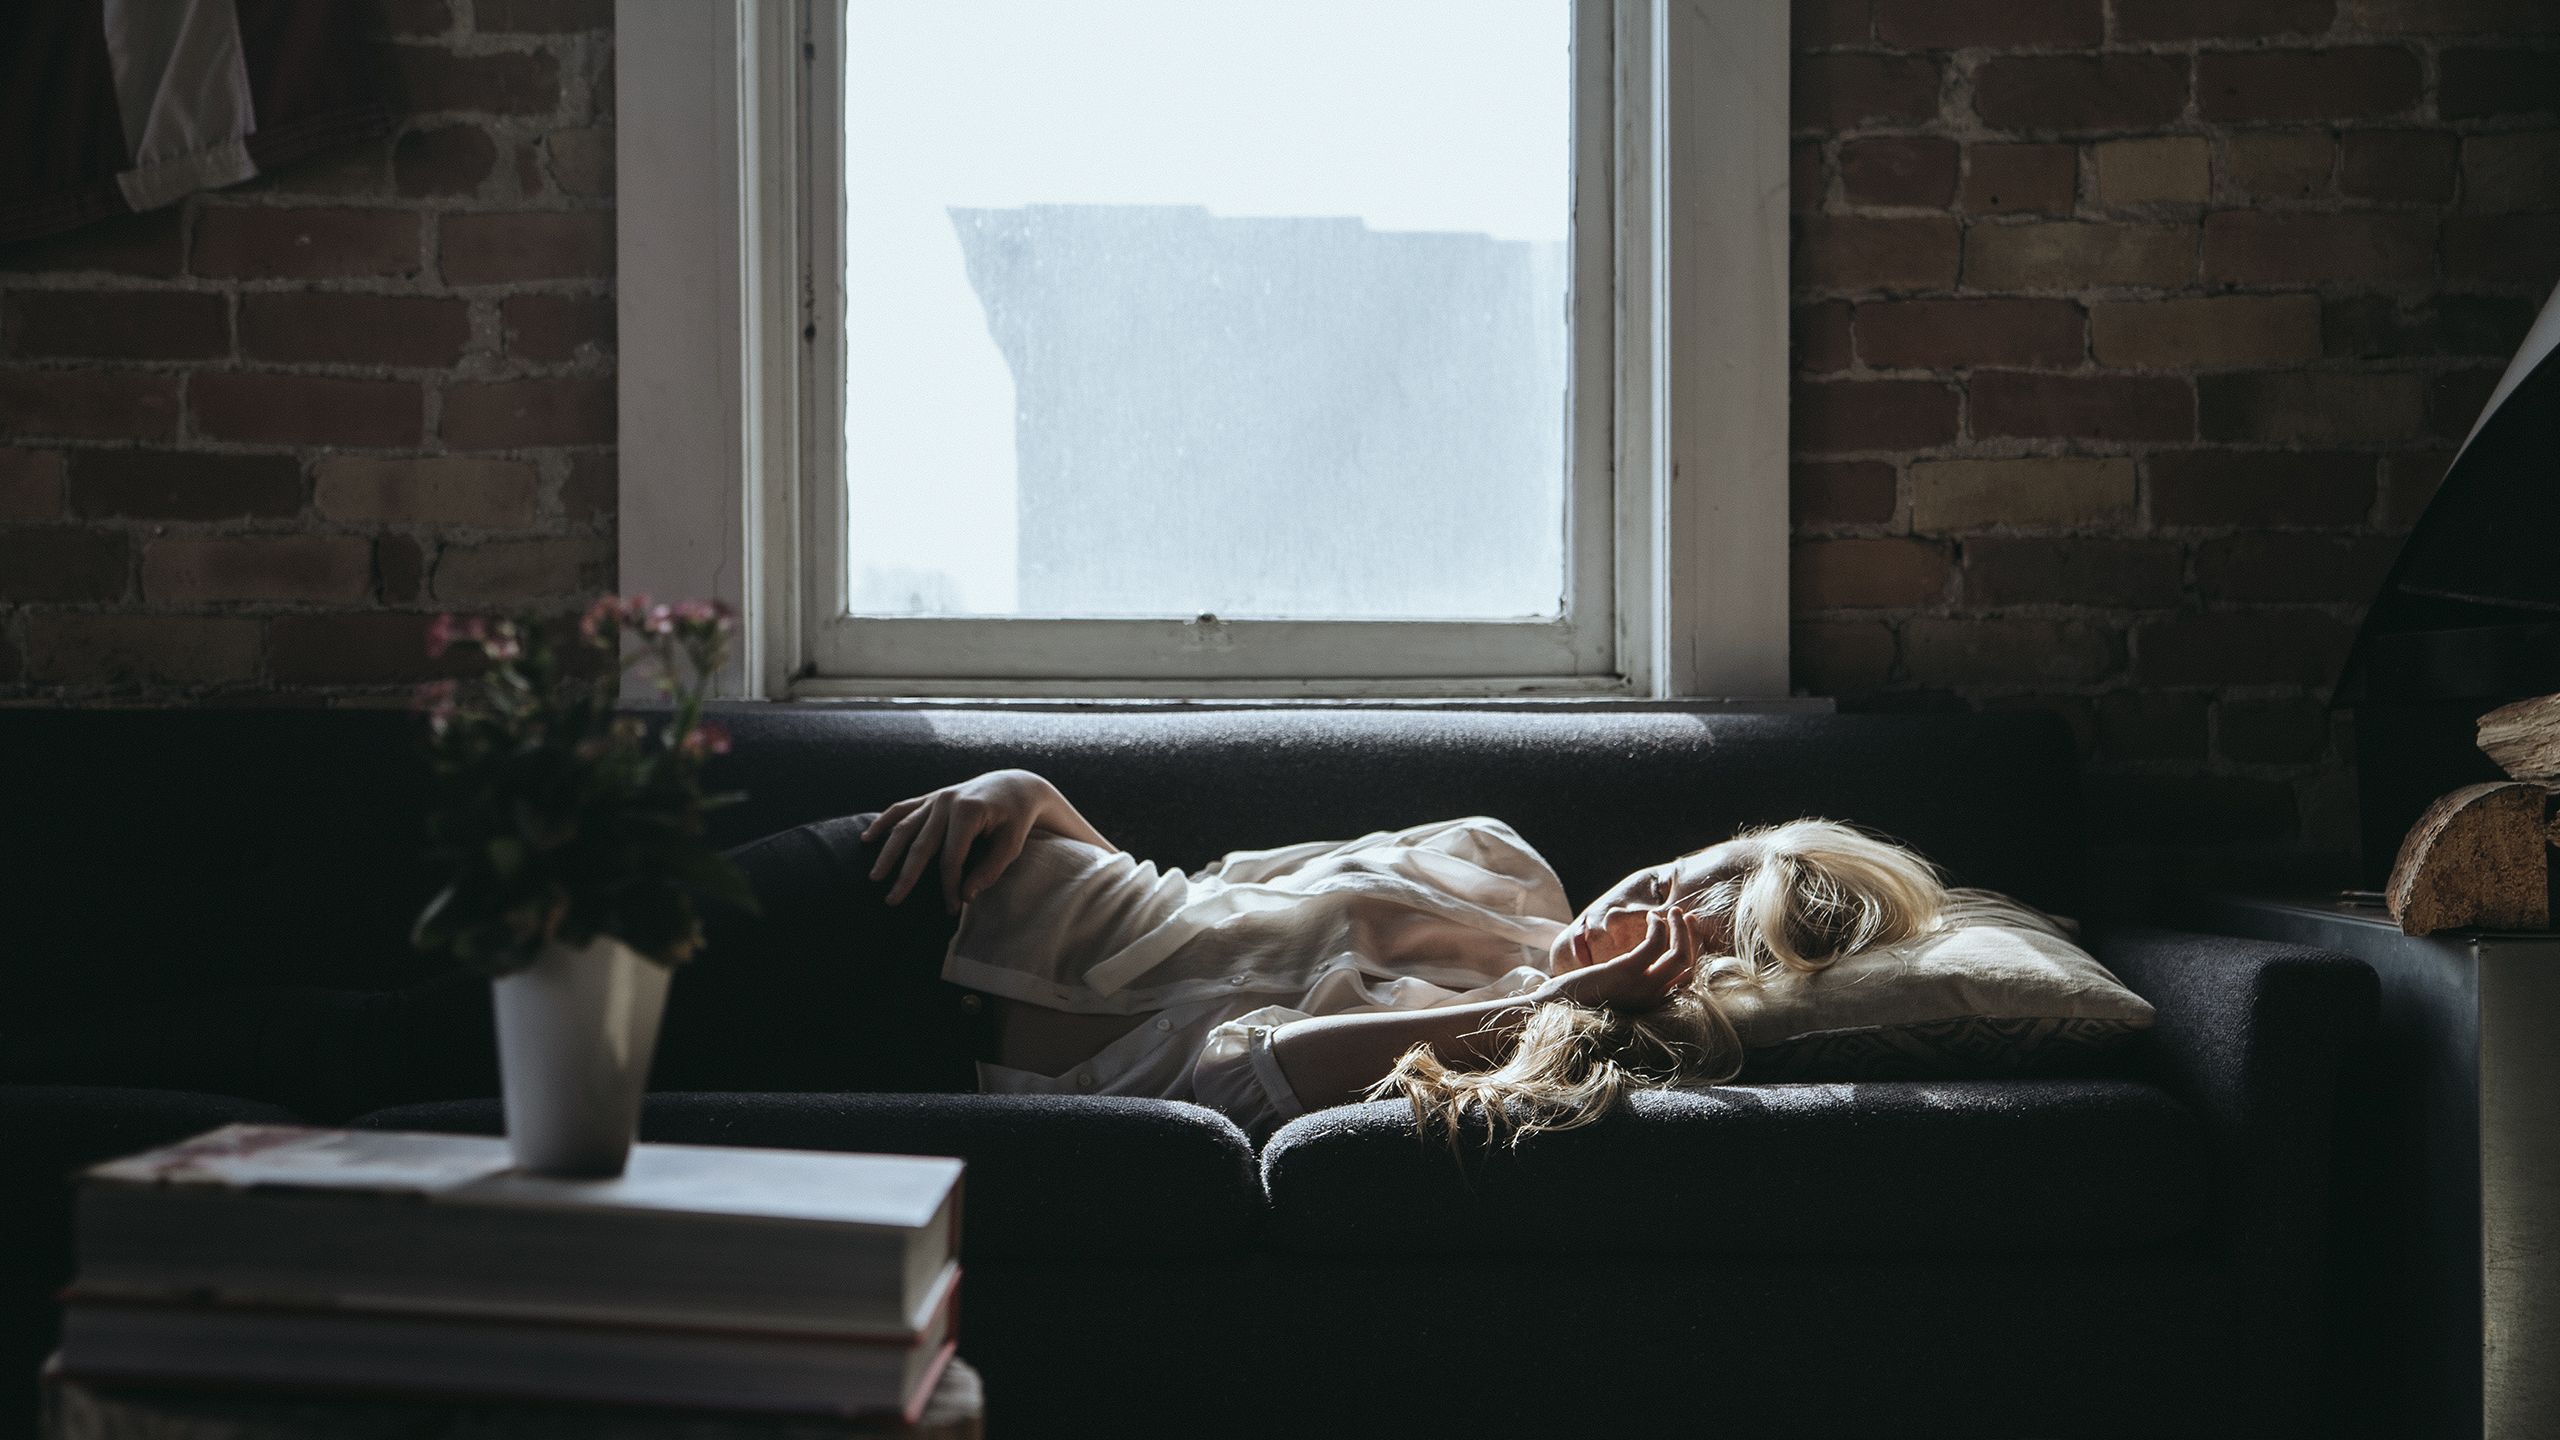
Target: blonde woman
{"type": "Point", "coordinates": [1440, 963]}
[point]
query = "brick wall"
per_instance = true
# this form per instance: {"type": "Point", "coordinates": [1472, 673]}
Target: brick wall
{"type": "Point", "coordinates": [2130, 335]}
{"type": "Point", "coordinates": [249, 444]}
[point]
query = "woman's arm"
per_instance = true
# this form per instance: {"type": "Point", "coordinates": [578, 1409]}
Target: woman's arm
{"type": "Point", "coordinates": [1001, 808]}
{"type": "Point", "coordinates": [1334, 1059]}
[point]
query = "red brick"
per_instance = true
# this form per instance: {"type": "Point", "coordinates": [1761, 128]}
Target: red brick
{"type": "Point", "coordinates": [2315, 569]}
{"type": "Point", "coordinates": [448, 161]}
{"type": "Point", "coordinates": [2140, 725]}
{"type": "Point", "coordinates": [2522, 248]}
{"type": "Point", "coordinates": [1818, 338]}
{"type": "Point", "coordinates": [2456, 398]}
{"type": "Point", "coordinates": [400, 569]}
{"type": "Point", "coordinates": [2259, 647]}
{"type": "Point", "coordinates": [62, 562]}
{"type": "Point", "coordinates": [2149, 21]}
{"type": "Point", "coordinates": [582, 160]}
{"type": "Point", "coordinates": [125, 649]}
{"type": "Point", "coordinates": [1846, 91]}
{"type": "Point", "coordinates": [2397, 165]}
{"type": "Point", "coordinates": [2273, 732]}
{"type": "Point", "coordinates": [2312, 407]}
{"type": "Point", "coordinates": [416, 17]}
{"type": "Point", "coordinates": [115, 324]}
{"type": "Point", "coordinates": [357, 648]}
{"type": "Point", "coordinates": [1846, 415]}
{"type": "Point", "coordinates": [2346, 83]}
{"type": "Point", "coordinates": [31, 484]}
{"type": "Point", "coordinates": [2200, 332]}
{"type": "Point", "coordinates": [1805, 185]}
{"type": "Point", "coordinates": [268, 243]}
{"type": "Point", "coordinates": [2518, 170]}
{"type": "Point", "coordinates": [436, 80]}
{"type": "Point", "coordinates": [2260, 489]}
{"type": "Point", "coordinates": [1843, 492]}
{"type": "Point", "coordinates": [514, 414]}
{"type": "Point", "coordinates": [1899, 170]}
{"type": "Point", "coordinates": [1989, 24]}
{"type": "Point", "coordinates": [2409, 482]}
{"type": "Point", "coordinates": [2072, 93]}
{"type": "Point", "coordinates": [1954, 334]}
{"type": "Point", "coordinates": [150, 245]}
{"type": "Point", "coordinates": [350, 170]}
{"type": "Point", "coordinates": [541, 17]}
{"type": "Point", "coordinates": [2454, 17]}
{"type": "Point", "coordinates": [88, 404]}
{"type": "Point", "coordinates": [2187, 811]}
{"type": "Point", "coordinates": [2258, 247]}
{"type": "Point", "coordinates": [512, 572]}
{"type": "Point", "coordinates": [2039, 492]}
{"type": "Point", "coordinates": [545, 245]}
{"type": "Point", "coordinates": [2082, 407]}
{"type": "Point", "coordinates": [2076, 255]}
{"type": "Point", "coordinates": [1881, 574]}
{"type": "Point", "coordinates": [593, 488]}
{"type": "Point", "coordinates": [428, 490]}
{"type": "Point", "coordinates": [326, 328]}
{"type": "Point", "coordinates": [270, 409]}
{"type": "Point", "coordinates": [209, 570]}
{"type": "Point", "coordinates": [553, 328]}
{"type": "Point", "coordinates": [185, 485]}
{"type": "Point", "coordinates": [2003, 179]}
{"type": "Point", "coordinates": [2119, 574]}
{"type": "Point", "coordinates": [2475, 83]}
{"type": "Point", "coordinates": [1814, 24]}
{"type": "Point", "coordinates": [1853, 253]}
{"type": "Point", "coordinates": [2005, 652]}
{"type": "Point", "coordinates": [1847, 658]}
{"type": "Point", "coordinates": [2280, 164]}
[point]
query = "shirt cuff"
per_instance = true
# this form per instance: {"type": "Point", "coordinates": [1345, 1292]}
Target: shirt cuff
{"type": "Point", "coordinates": [1267, 1072]}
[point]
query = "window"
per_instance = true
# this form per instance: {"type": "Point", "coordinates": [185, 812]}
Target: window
{"type": "Point", "coordinates": [1145, 347]}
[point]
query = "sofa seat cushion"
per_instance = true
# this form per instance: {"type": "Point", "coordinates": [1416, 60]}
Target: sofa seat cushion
{"type": "Point", "coordinates": [1883, 1168]}
{"type": "Point", "coordinates": [1050, 1177]}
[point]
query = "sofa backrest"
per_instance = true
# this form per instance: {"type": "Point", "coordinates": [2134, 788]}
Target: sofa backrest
{"type": "Point", "coordinates": [149, 847]}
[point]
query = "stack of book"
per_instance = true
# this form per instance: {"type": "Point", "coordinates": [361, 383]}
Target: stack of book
{"type": "Point", "coordinates": [779, 1280]}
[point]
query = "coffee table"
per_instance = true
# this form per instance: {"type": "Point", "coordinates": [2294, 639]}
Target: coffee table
{"type": "Point", "coordinates": [75, 1410]}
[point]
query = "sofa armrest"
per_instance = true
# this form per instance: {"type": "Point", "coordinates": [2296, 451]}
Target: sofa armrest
{"type": "Point", "coordinates": [2251, 1033]}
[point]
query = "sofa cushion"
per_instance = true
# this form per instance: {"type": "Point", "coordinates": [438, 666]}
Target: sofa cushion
{"type": "Point", "coordinates": [1050, 1177]}
{"type": "Point", "coordinates": [1881, 1168]}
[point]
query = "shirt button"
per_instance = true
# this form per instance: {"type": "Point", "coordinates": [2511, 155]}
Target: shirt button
{"type": "Point", "coordinates": [972, 1002]}
{"type": "Point", "coordinates": [1163, 1024]}
{"type": "Point", "coordinates": [1235, 979]}
{"type": "Point", "coordinates": [1084, 1079]}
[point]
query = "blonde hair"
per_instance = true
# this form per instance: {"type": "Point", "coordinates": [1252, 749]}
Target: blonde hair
{"type": "Point", "coordinates": [1812, 891]}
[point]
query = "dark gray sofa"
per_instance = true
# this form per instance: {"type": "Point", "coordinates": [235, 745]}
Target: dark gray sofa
{"type": "Point", "coordinates": [2132, 1253]}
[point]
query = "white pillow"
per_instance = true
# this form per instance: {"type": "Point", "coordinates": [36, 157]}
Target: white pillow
{"type": "Point", "coordinates": [1996, 989]}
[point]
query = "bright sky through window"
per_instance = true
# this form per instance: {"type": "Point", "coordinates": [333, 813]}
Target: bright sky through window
{"type": "Point", "coordinates": [1170, 306]}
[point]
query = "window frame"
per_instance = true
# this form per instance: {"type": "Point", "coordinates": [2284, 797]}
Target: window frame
{"type": "Point", "coordinates": [729, 467]}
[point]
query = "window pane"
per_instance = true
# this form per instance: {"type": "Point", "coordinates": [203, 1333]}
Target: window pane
{"type": "Point", "coordinates": [1163, 307]}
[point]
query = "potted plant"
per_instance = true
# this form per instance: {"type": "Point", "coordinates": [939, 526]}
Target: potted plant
{"type": "Point", "coordinates": [571, 837]}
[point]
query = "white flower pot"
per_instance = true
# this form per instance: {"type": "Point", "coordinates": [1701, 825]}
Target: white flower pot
{"type": "Point", "coordinates": [575, 1033]}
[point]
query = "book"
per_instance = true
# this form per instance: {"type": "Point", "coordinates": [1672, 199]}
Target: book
{"type": "Point", "coordinates": [127, 1340]}
{"type": "Point", "coordinates": [703, 1237]}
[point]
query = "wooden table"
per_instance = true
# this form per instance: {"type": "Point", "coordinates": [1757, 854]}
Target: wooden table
{"type": "Point", "coordinates": [78, 1411]}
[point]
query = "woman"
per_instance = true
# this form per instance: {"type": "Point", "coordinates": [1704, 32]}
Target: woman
{"type": "Point", "coordinates": [1440, 963]}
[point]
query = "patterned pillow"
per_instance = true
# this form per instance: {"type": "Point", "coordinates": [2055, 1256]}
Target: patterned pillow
{"type": "Point", "coordinates": [1997, 989]}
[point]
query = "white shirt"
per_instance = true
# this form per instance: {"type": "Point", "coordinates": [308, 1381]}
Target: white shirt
{"type": "Point", "coordinates": [1439, 914]}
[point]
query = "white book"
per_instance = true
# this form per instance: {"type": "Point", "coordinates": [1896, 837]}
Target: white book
{"type": "Point", "coordinates": [128, 1341]}
{"type": "Point", "coordinates": [691, 1235]}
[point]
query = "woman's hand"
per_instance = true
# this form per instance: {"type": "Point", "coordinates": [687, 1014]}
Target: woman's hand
{"type": "Point", "coordinates": [1644, 977]}
{"type": "Point", "coordinates": [999, 809]}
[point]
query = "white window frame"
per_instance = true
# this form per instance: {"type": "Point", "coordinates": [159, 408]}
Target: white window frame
{"type": "Point", "coordinates": [730, 478]}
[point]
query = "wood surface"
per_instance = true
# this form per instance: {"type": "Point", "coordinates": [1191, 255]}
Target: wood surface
{"type": "Point", "coordinates": [2477, 860]}
{"type": "Point", "coordinates": [2524, 738]}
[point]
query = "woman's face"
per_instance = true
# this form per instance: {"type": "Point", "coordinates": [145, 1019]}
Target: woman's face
{"type": "Point", "coordinates": [1700, 884]}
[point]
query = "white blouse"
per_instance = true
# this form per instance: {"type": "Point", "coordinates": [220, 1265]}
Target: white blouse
{"type": "Point", "coordinates": [1439, 914]}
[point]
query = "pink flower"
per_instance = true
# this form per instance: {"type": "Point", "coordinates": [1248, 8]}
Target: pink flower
{"type": "Point", "coordinates": [446, 631]}
{"type": "Point", "coordinates": [633, 609]}
{"type": "Point", "coordinates": [591, 624]}
{"type": "Point", "coordinates": [436, 700]}
{"type": "Point", "coordinates": [709, 738]}
{"type": "Point", "coordinates": [500, 642]}
{"type": "Point", "coordinates": [661, 620]}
